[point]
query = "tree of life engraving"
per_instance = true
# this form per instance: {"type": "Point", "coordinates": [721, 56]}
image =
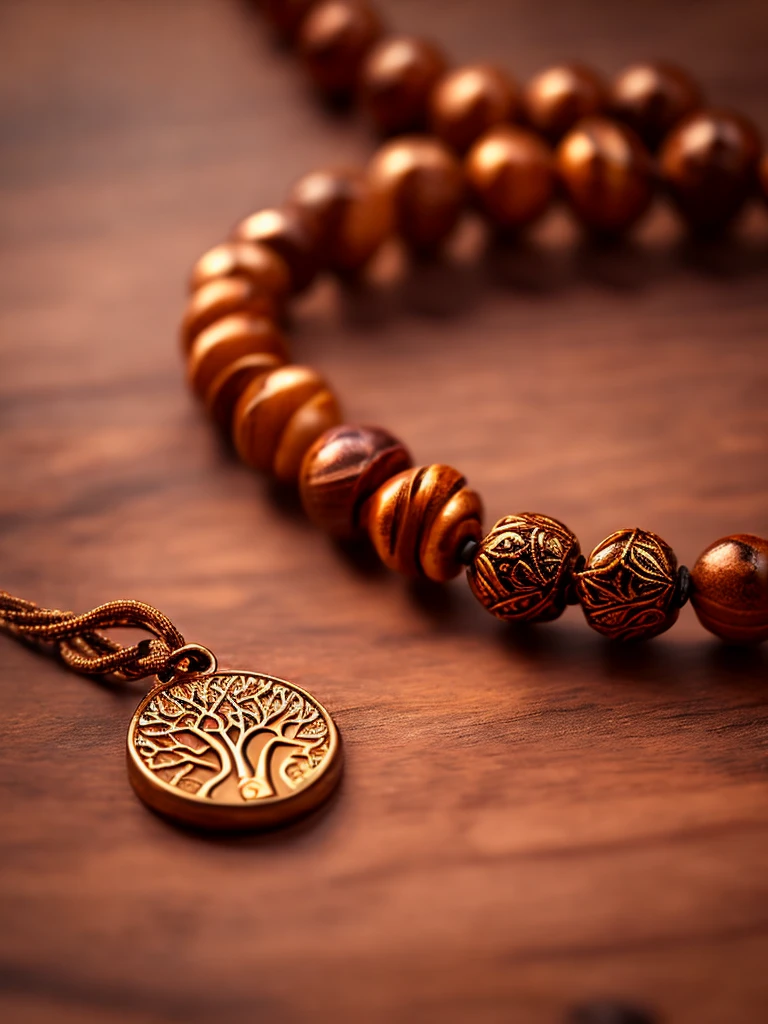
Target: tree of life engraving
{"type": "Point", "coordinates": [232, 737]}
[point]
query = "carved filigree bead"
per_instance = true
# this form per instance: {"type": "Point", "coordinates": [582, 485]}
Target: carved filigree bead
{"type": "Point", "coordinates": [628, 587]}
{"type": "Point", "coordinates": [522, 570]}
{"type": "Point", "coordinates": [342, 469]}
{"type": "Point", "coordinates": [421, 519]}
{"type": "Point", "coordinates": [279, 415]}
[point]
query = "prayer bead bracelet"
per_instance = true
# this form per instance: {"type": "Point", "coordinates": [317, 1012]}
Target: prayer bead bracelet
{"type": "Point", "coordinates": [285, 420]}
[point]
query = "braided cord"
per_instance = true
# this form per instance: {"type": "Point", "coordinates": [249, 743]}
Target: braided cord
{"type": "Point", "coordinates": [80, 643]}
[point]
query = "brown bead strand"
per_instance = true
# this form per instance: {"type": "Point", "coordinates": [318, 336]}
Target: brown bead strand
{"type": "Point", "coordinates": [425, 520]}
{"type": "Point", "coordinates": [399, 85]}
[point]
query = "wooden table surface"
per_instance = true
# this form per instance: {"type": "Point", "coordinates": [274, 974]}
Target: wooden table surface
{"type": "Point", "coordinates": [528, 822]}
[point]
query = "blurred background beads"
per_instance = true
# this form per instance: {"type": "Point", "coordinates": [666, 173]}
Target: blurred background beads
{"type": "Point", "coordinates": [556, 98]}
{"type": "Point", "coordinates": [281, 230]}
{"type": "Point", "coordinates": [468, 101]}
{"type": "Point", "coordinates": [333, 40]}
{"type": "Point", "coordinates": [606, 174]}
{"type": "Point", "coordinates": [396, 80]}
{"type": "Point", "coordinates": [346, 216]}
{"type": "Point", "coordinates": [425, 184]}
{"type": "Point", "coordinates": [521, 572]}
{"type": "Point", "coordinates": [709, 166]}
{"type": "Point", "coordinates": [652, 98]}
{"type": "Point", "coordinates": [510, 175]}
{"type": "Point", "coordinates": [228, 340]}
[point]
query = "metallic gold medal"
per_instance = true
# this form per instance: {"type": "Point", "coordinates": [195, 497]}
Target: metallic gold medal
{"type": "Point", "coordinates": [232, 750]}
{"type": "Point", "coordinates": [209, 748]}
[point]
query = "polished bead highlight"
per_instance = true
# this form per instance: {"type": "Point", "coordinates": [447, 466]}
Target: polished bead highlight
{"type": "Point", "coordinates": [709, 167]}
{"type": "Point", "coordinates": [346, 215]}
{"type": "Point", "coordinates": [221, 298]}
{"type": "Point", "coordinates": [278, 417]}
{"type": "Point", "coordinates": [555, 99]}
{"type": "Point", "coordinates": [425, 183]}
{"type": "Point", "coordinates": [396, 80]}
{"type": "Point", "coordinates": [606, 174]}
{"type": "Point", "coordinates": [511, 177]}
{"type": "Point", "coordinates": [470, 100]}
{"type": "Point", "coordinates": [729, 588]}
{"type": "Point", "coordinates": [420, 520]}
{"type": "Point", "coordinates": [342, 469]}
{"type": "Point", "coordinates": [282, 232]}
{"type": "Point", "coordinates": [333, 41]}
{"type": "Point", "coordinates": [228, 340]}
{"type": "Point", "coordinates": [652, 98]}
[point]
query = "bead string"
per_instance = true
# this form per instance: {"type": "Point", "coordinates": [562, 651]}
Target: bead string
{"type": "Point", "coordinates": [79, 642]}
{"type": "Point", "coordinates": [285, 420]}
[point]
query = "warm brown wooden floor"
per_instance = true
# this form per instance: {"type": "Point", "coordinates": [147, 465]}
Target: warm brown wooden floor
{"type": "Point", "coordinates": [526, 822]}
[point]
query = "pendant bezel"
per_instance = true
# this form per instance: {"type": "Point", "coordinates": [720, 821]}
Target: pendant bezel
{"type": "Point", "coordinates": [252, 815]}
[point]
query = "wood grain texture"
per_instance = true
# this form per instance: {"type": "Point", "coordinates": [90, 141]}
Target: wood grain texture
{"type": "Point", "coordinates": [528, 820]}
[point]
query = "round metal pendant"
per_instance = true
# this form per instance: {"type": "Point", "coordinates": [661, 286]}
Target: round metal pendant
{"type": "Point", "coordinates": [232, 750]}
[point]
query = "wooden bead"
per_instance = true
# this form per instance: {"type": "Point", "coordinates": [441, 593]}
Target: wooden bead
{"type": "Point", "coordinates": [278, 417]}
{"type": "Point", "coordinates": [346, 216]}
{"type": "Point", "coordinates": [708, 165]}
{"type": "Point", "coordinates": [260, 265]}
{"type": "Point", "coordinates": [333, 41]}
{"type": "Point", "coordinates": [227, 387]}
{"type": "Point", "coordinates": [221, 298]}
{"type": "Point", "coordinates": [396, 80]}
{"type": "Point", "coordinates": [342, 469]}
{"type": "Point", "coordinates": [606, 173]}
{"type": "Point", "coordinates": [286, 16]}
{"type": "Point", "coordinates": [282, 232]}
{"type": "Point", "coordinates": [510, 173]}
{"type": "Point", "coordinates": [628, 587]}
{"type": "Point", "coordinates": [420, 520]}
{"type": "Point", "coordinates": [652, 98]}
{"type": "Point", "coordinates": [522, 571]}
{"type": "Point", "coordinates": [466, 102]}
{"type": "Point", "coordinates": [729, 588]}
{"type": "Point", "coordinates": [425, 183]}
{"type": "Point", "coordinates": [555, 99]}
{"type": "Point", "coordinates": [228, 340]}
